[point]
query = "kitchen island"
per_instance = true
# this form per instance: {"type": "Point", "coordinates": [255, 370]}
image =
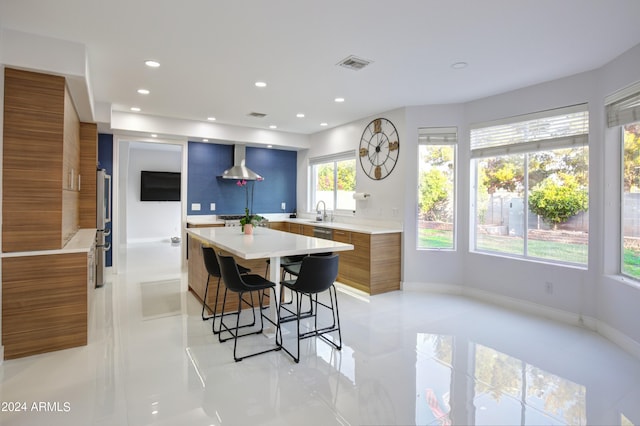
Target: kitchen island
{"type": "Point", "coordinates": [263, 244]}
{"type": "Point", "coordinates": [374, 265]}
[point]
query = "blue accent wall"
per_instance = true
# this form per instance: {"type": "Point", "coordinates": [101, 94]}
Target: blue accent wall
{"type": "Point", "coordinates": [105, 161]}
{"type": "Point", "coordinates": [207, 162]}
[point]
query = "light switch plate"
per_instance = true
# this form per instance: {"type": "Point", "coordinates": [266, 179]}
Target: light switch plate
{"type": "Point", "coordinates": [212, 207]}
{"type": "Point", "coordinates": [283, 206]}
{"type": "Point", "coordinates": [195, 207]}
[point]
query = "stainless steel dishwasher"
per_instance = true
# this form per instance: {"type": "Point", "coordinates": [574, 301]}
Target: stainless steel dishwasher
{"type": "Point", "coordinates": [325, 233]}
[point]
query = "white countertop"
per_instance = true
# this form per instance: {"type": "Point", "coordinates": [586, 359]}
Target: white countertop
{"type": "Point", "coordinates": [81, 242]}
{"type": "Point", "coordinates": [365, 228]}
{"type": "Point", "coordinates": [265, 242]}
{"type": "Point", "coordinates": [354, 227]}
{"type": "Point", "coordinates": [204, 220]}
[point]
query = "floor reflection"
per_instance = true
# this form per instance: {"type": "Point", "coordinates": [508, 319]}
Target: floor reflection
{"type": "Point", "coordinates": [407, 358]}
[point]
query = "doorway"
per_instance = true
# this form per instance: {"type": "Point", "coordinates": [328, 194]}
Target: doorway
{"type": "Point", "coordinates": [146, 222]}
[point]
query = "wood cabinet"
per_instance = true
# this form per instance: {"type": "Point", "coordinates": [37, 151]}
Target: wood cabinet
{"type": "Point", "coordinates": [88, 180]}
{"type": "Point", "coordinates": [40, 155]}
{"type": "Point", "coordinates": [46, 299]}
{"type": "Point", "coordinates": [279, 226]}
{"type": "Point", "coordinates": [295, 228]}
{"type": "Point", "coordinates": [307, 230]}
{"type": "Point", "coordinates": [45, 201]}
{"type": "Point", "coordinates": [373, 266]}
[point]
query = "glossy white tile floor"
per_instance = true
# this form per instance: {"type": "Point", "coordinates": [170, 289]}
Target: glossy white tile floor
{"type": "Point", "coordinates": [408, 358]}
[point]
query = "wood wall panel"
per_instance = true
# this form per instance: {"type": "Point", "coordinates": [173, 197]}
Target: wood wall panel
{"type": "Point", "coordinates": [32, 161]}
{"type": "Point", "coordinates": [31, 91]}
{"type": "Point", "coordinates": [44, 303]}
{"type": "Point", "coordinates": [88, 166]}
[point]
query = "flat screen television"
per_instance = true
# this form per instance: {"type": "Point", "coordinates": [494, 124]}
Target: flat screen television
{"type": "Point", "coordinates": [159, 186]}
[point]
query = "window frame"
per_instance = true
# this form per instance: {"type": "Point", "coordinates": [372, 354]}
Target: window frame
{"type": "Point", "coordinates": [524, 148]}
{"type": "Point", "coordinates": [311, 182]}
{"type": "Point", "coordinates": [622, 108]}
{"type": "Point", "coordinates": [439, 136]}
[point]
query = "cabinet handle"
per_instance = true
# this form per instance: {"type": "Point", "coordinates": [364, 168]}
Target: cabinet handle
{"type": "Point", "coordinates": [79, 181]}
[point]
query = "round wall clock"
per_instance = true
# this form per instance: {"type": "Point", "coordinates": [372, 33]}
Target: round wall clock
{"type": "Point", "coordinates": [379, 148]}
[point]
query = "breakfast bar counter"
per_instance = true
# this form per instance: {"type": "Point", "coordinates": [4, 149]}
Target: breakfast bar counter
{"type": "Point", "coordinates": [251, 251]}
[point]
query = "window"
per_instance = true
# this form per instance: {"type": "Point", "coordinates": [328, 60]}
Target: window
{"type": "Point", "coordinates": [333, 181]}
{"type": "Point", "coordinates": [623, 109]}
{"type": "Point", "coordinates": [530, 188]}
{"type": "Point", "coordinates": [436, 188]}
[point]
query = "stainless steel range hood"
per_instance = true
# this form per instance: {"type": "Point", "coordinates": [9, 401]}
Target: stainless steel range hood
{"type": "Point", "coordinates": [239, 170]}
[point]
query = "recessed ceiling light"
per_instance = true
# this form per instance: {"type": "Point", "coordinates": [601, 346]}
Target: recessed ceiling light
{"type": "Point", "coordinates": [269, 146]}
{"type": "Point", "coordinates": [261, 84]}
{"type": "Point", "coordinates": [153, 135]}
{"type": "Point", "coordinates": [300, 115]}
{"type": "Point", "coordinates": [459, 65]}
{"type": "Point", "coordinates": [211, 118]}
{"type": "Point", "coordinates": [135, 109]}
{"type": "Point", "coordinates": [152, 64]}
{"type": "Point", "coordinates": [324, 124]}
{"type": "Point", "coordinates": [273, 126]}
{"type": "Point", "coordinates": [143, 91]}
{"type": "Point", "coordinates": [339, 100]}
{"type": "Point", "coordinates": [205, 140]}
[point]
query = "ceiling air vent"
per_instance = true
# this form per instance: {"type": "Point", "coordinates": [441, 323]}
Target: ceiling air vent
{"type": "Point", "coordinates": [257, 114]}
{"type": "Point", "coordinates": [354, 63]}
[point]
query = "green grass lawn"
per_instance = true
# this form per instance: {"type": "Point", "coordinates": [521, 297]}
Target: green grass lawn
{"type": "Point", "coordinates": [563, 252]}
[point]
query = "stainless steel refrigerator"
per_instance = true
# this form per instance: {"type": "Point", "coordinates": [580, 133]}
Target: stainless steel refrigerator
{"type": "Point", "coordinates": [103, 217]}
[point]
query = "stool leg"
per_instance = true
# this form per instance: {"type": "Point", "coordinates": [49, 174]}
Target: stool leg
{"type": "Point", "coordinates": [204, 302]}
{"type": "Point", "coordinates": [215, 310]}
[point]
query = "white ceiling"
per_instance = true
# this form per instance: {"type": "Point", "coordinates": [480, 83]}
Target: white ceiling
{"type": "Point", "coordinates": [211, 52]}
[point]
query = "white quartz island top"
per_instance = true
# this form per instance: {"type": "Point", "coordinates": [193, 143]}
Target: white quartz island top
{"type": "Point", "coordinates": [265, 242]}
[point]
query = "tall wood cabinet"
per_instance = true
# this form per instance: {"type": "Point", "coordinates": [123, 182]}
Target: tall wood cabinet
{"type": "Point", "coordinates": [48, 194]}
{"type": "Point", "coordinates": [40, 163]}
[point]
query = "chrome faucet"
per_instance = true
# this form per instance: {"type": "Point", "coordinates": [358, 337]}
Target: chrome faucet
{"type": "Point", "coordinates": [323, 217]}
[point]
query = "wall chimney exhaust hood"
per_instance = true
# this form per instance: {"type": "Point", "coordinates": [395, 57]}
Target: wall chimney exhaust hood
{"type": "Point", "coordinates": [239, 170]}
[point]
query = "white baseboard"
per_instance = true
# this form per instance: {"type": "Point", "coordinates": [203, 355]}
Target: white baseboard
{"type": "Point", "coordinates": [620, 339]}
{"type": "Point", "coordinates": [608, 332]}
{"type": "Point", "coordinates": [433, 288]}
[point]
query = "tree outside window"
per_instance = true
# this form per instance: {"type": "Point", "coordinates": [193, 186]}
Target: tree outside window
{"type": "Point", "coordinates": [436, 170]}
{"type": "Point", "coordinates": [630, 257]}
{"type": "Point", "coordinates": [334, 182]}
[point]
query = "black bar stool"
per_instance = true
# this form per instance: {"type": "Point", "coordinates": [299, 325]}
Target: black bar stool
{"type": "Point", "coordinates": [241, 284]}
{"type": "Point", "coordinates": [316, 275]}
{"type": "Point", "coordinates": [213, 270]}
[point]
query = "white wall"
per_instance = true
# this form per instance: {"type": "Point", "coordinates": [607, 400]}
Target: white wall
{"type": "Point", "coordinates": [617, 299]}
{"type": "Point", "coordinates": [151, 220]}
{"type": "Point", "coordinates": [435, 267]}
{"type": "Point", "coordinates": [573, 288]}
{"type": "Point", "coordinates": [387, 199]}
{"type": "Point", "coordinates": [593, 296]}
